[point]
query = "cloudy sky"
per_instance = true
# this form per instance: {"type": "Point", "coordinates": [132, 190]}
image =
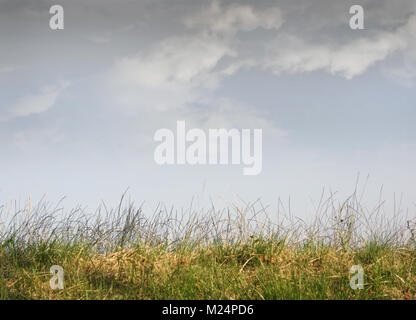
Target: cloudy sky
{"type": "Point", "coordinates": [79, 106]}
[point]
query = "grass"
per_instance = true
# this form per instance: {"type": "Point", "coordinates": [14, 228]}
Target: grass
{"type": "Point", "coordinates": [234, 253]}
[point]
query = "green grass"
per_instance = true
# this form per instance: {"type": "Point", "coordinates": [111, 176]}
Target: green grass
{"type": "Point", "coordinates": [235, 253]}
{"type": "Point", "coordinates": [256, 270]}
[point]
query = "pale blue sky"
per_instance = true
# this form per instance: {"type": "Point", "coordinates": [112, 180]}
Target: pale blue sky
{"type": "Point", "coordinates": [79, 107]}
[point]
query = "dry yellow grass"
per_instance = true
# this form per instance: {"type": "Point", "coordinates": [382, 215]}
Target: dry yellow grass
{"type": "Point", "coordinates": [216, 273]}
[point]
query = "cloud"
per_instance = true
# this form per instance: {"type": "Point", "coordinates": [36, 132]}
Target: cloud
{"type": "Point", "coordinates": [34, 103]}
{"type": "Point", "coordinates": [209, 113]}
{"type": "Point", "coordinates": [234, 18]}
{"type": "Point", "coordinates": [404, 74]}
{"type": "Point", "coordinates": [171, 72]}
{"type": "Point", "coordinates": [227, 113]}
{"type": "Point", "coordinates": [403, 69]}
{"type": "Point", "coordinates": [293, 55]}
{"type": "Point", "coordinates": [180, 70]}
{"type": "Point", "coordinates": [179, 59]}
{"type": "Point", "coordinates": [175, 71]}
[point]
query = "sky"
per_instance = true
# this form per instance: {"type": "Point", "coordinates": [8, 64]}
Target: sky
{"type": "Point", "coordinates": [79, 107]}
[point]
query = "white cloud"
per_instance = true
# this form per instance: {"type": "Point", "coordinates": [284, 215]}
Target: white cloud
{"type": "Point", "coordinates": [33, 103]}
{"type": "Point", "coordinates": [179, 70]}
{"type": "Point", "coordinates": [170, 74]}
{"type": "Point", "coordinates": [235, 17]}
{"type": "Point", "coordinates": [174, 72]}
{"type": "Point", "coordinates": [403, 70]}
{"type": "Point", "coordinates": [293, 55]}
{"type": "Point", "coordinates": [179, 59]}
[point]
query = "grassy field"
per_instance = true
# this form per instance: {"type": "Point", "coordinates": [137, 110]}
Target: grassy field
{"type": "Point", "coordinates": [234, 253]}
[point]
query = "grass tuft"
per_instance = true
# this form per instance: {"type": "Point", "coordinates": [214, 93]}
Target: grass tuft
{"type": "Point", "coordinates": [233, 253]}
